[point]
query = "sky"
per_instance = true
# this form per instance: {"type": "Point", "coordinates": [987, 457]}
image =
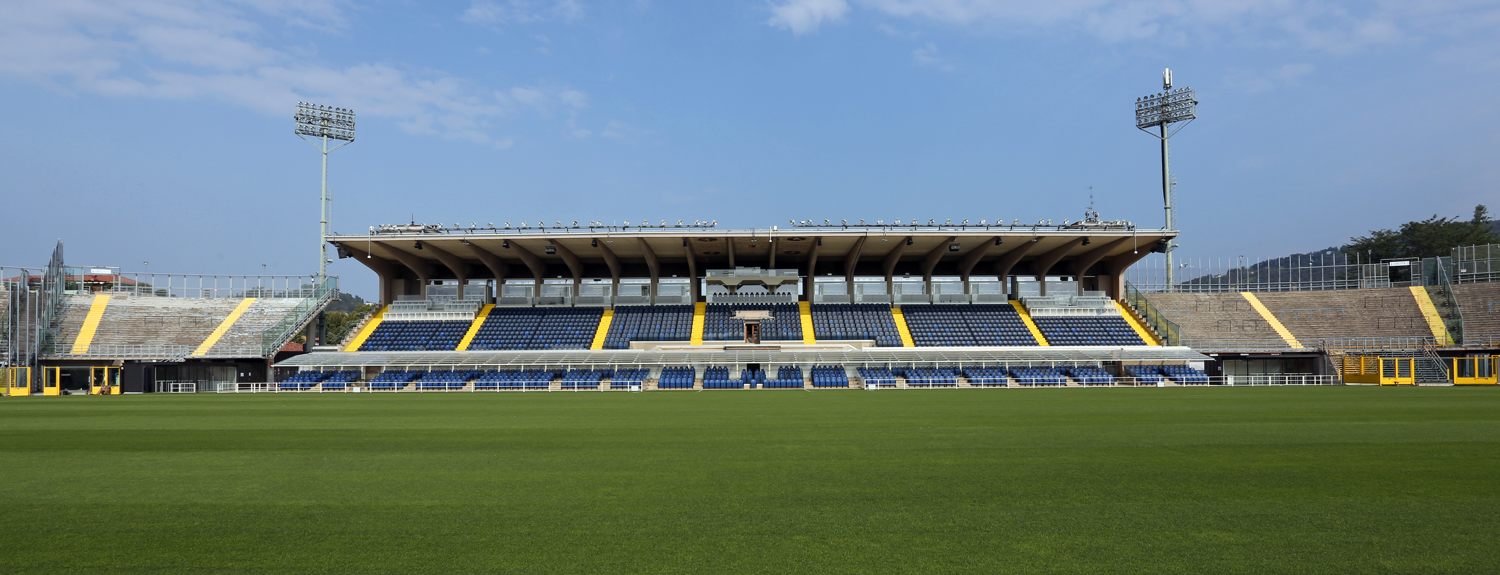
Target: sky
{"type": "Point", "coordinates": [160, 131]}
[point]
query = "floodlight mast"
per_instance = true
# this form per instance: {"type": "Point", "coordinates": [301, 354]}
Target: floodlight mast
{"type": "Point", "coordinates": [1160, 111]}
{"type": "Point", "coordinates": [324, 123]}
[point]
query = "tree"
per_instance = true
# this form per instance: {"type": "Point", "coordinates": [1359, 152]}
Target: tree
{"type": "Point", "coordinates": [1434, 236]}
{"type": "Point", "coordinates": [336, 324]}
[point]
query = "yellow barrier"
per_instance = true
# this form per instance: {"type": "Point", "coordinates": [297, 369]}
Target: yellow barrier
{"type": "Point", "coordinates": [369, 328]}
{"type": "Point", "coordinates": [901, 328]}
{"type": "Point", "coordinates": [104, 380]}
{"type": "Point", "coordinates": [223, 328]}
{"type": "Point", "coordinates": [602, 332]}
{"type": "Point", "coordinates": [1430, 314]}
{"type": "Point", "coordinates": [1265, 314]}
{"type": "Point", "coordinates": [1135, 324]}
{"type": "Point", "coordinates": [700, 311]}
{"type": "Point", "coordinates": [15, 381]}
{"type": "Point", "coordinates": [1475, 370]}
{"type": "Point", "coordinates": [463, 344]}
{"type": "Point", "coordinates": [1030, 325]}
{"type": "Point", "coordinates": [1379, 370]}
{"type": "Point", "coordinates": [804, 310]}
{"type": "Point", "coordinates": [51, 381]}
{"type": "Point", "coordinates": [90, 325]}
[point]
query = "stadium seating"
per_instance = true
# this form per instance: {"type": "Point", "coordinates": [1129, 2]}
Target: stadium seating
{"type": "Point", "coordinates": [1216, 321]}
{"type": "Point", "coordinates": [1032, 376]}
{"type": "Point", "coordinates": [787, 377]}
{"type": "Point", "coordinates": [649, 323]}
{"type": "Point", "coordinates": [244, 337]}
{"type": "Point", "coordinates": [536, 328]}
{"type": "Point", "coordinates": [627, 378]}
{"type": "Point", "coordinates": [677, 378]}
{"type": "Point", "coordinates": [856, 322]}
{"type": "Point", "coordinates": [966, 325]}
{"type": "Point", "coordinates": [393, 380]}
{"type": "Point", "coordinates": [718, 378]}
{"type": "Point", "coordinates": [1480, 304]}
{"type": "Point", "coordinates": [877, 376]}
{"type": "Point", "coordinates": [1185, 375]}
{"type": "Point", "coordinates": [445, 380]}
{"type": "Point", "coordinates": [575, 379]}
{"type": "Point", "coordinates": [1147, 374]}
{"type": "Point", "coordinates": [1344, 314]}
{"type": "Point", "coordinates": [826, 376]}
{"type": "Point", "coordinates": [340, 380]}
{"type": "Point", "coordinates": [987, 376]}
{"type": "Point", "coordinates": [177, 323]}
{"type": "Point", "coordinates": [416, 335]}
{"type": "Point", "coordinates": [1087, 330]}
{"type": "Point", "coordinates": [1090, 375]}
{"type": "Point", "coordinates": [512, 380]}
{"type": "Point", "coordinates": [931, 377]}
{"type": "Point", "coordinates": [719, 323]}
{"type": "Point", "coordinates": [752, 378]}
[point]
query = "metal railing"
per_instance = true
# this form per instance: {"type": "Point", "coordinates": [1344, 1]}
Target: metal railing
{"type": "Point", "coordinates": [128, 351]}
{"type": "Point", "coordinates": [295, 320]}
{"type": "Point", "coordinates": [146, 284]}
{"type": "Point", "coordinates": [1453, 317]}
{"type": "Point", "coordinates": [1165, 329]}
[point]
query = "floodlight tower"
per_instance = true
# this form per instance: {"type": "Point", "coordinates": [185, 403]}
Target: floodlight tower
{"type": "Point", "coordinates": [1160, 111]}
{"type": "Point", "coordinates": [324, 123]}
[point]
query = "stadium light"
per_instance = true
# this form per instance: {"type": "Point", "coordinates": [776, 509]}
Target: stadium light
{"type": "Point", "coordinates": [324, 123]}
{"type": "Point", "coordinates": [1161, 111]}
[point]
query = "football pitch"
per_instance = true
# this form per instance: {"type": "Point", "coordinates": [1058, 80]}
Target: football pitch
{"type": "Point", "coordinates": [1353, 480]}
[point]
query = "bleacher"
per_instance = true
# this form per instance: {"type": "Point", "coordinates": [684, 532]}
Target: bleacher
{"type": "Point", "coordinates": [827, 376]}
{"type": "Point", "coordinates": [1032, 376]}
{"type": "Point", "coordinates": [575, 379]}
{"type": "Point", "coordinates": [174, 325]}
{"type": "Point", "coordinates": [787, 377]}
{"type": "Point", "coordinates": [1090, 375]}
{"type": "Point", "coordinates": [931, 377]}
{"type": "Point", "coordinates": [676, 378]}
{"type": "Point", "coordinates": [244, 338]}
{"type": "Point", "coordinates": [1348, 314]}
{"type": "Point", "coordinates": [446, 380]}
{"type": "Point", "coordinates": [1147, 374]}
{"type": "Point", "coordinates": [856, 322]}
{"type": "Point", "coordinates": [309, 379]}
{"type": "Point", "coordinates": [1480, 304]}
{"type": "Point", "coordinates": [987, 376]}
{"type": "Point", "coordinates": [628, 378]}
{"type": "Point", "coordinates": [393, 380]}
{"type": "Point", "coordinates": [718, 378]}
{"type": "Point", "coordinates": [1087, 330]}
{"type": "Point", "coordinates": [719, 323]}
{"type": "Point", "coordinates": [877, 376]}
{"type": "Point", "coordinates": [512, 380]}
{"type": "Point", "coordinates": [948, 325]}
{"type": "Point", "coordinates": [752, 378]}
{"type": "Point", "coordinates": [1185, 375]}
{"type": "Point", "coordinates": [1216, 321]}
{"type": "Point", "coordinates": [416, 335]}
{"type": "Point", "coordinates": [537, 328]}
{"type": "Point", "coordinates": [649, 323]}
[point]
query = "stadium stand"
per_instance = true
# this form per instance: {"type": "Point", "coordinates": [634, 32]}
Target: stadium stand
{"type": "Point", "coordinates": [416, 335]}
{"type": "Point", "coordinates": [512, 380]}
{"type": "Point", "coordinates": [394, 380]}
{"type": "Point", "coordinates": [856, 322]}
{"type": "Point", "coordinates": [942, 325]}
{"type": "Point", "coordinates": [1147, 374]}
{"type": "Point", "coordinates": [1090, 375]}
{"type": "Point", "coordinates": [166, 323]}
{"type": "Point", "coordinates": [1348, 314]}
{"type": "Point", "coordinates": [575, 379]}
{"type": "Point", "coordinates": [243, 337]}
{"type": "Point", "coordinates": [628, 378]}
{"type": "Point", "coordinates": [787, 377]}
{"type": "Point", "coordinates": [877, 377]}
{"type": "Point", "coordinates": [1087, 330]}
{"type": "Point", "coordinates": [677, 378]}
{"type": "Point", "coordinates": [649, 323]}
{"type": "Point", "coordinates": [1216, 321]}
{"type": "Point", "coordinates": [987, 376]}
{"type": "Point", "coordinates": [445, 380]}
{"type": "Point", "coordinates": [1032, 376]}
{"type": "Point", "coordinates": [536, 328]}
{"type": "Point", "coordinates": [825, 376]}
{"type": "Point", "coordinates": [719, 323]}
{"type": "Point", "coordinates": [752, 378]}
{"type": "Point", "coordinates": [718, 378]}
{"type": "Point", "coordinates": [931, 377]}
{"type": "Point", "coordinates": [1480, 304]}
{"type": "Point", "coordinates": [1184, 375]}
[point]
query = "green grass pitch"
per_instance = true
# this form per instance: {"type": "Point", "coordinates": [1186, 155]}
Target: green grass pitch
{"type": "Point", "coordinates": [1353, 480]}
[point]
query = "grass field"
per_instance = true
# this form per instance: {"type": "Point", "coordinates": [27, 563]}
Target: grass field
{"type": "Point", "coordinates": [1355, 480]}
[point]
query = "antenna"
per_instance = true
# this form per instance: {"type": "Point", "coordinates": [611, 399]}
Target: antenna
{"type": "Point", "coordinates": [1166, 78]}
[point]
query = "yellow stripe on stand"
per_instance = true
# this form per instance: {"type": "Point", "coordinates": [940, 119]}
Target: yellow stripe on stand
{"type": "Point", "coordinates": [229, 320]}
{"type": "Point", "coordinates": [1135, 324]}
{"type": "Point", "coordinates": [90, 325]}
{"type": "Point", "coordinates": [1036, 332]}
{"type": "Point", "coordinates": [700, 310]}
{"type": "Point", "coordinates": [603, 331]}
{"type": "Point", "coordinates": [369, 328]}
{"type": "Point", "coordinates": [1430, 312]}
{"type": "Point", "coordinates": [804, 309]}
{"type": "Point", "coordinates": [484, 312]}
{"type": "Point", "coordinates": [1265, 314]}
{"type": "Point", "coordinates": [901, 328]}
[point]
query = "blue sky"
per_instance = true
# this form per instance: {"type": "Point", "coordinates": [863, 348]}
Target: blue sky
{"type": "Point", "coordinates": [160, 130]}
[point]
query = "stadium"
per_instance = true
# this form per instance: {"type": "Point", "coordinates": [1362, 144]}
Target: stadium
{"type": "Point", "coordinates": [966, 393]}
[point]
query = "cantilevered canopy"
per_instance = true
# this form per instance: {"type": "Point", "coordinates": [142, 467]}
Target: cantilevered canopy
{"type": "Point", "coordinates": [423, 254]}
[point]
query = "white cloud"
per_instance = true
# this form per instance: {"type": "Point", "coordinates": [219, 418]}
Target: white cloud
{"type": "Point", "coordinates": [498, 13]}
{"type": "Point", "coordinates": [805, 16]}
{"type": "Point", "coordinates": [1259, 81]}
{"type": "Point", "coordinates": [186, 50]}
{"type": "Point", "coordinates": [1331, 27]}
{"type": "Point", "coordinates": [927, 56]}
